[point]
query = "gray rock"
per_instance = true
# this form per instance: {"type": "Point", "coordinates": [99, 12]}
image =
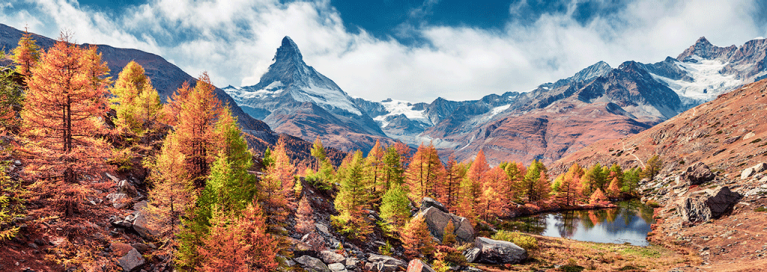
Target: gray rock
{"type": "Point", "coordinates": [760, 167]}
{"type": "Point", "coordinates": [706, 205]}
{"type": "Point", "coordinates": [337, 267]}
{"type": "Point", "coordinates": [746, 173]}
{"type": "Point", "coordinates": [142, 226]}
{"type": "Point", "coordinates": [471, 254]}
{"type": "Point", "coordinates": [330, 257]}
{"type": "Point", "coordinates": [131, 261]}
{"type": "Point", "coordinates": [697, 174]}
{"type": "Point", "coordinates": [113, 178]}
{"type": "Point", "coordinates": [437, 220]}
{"type": "Point", "coordinates": [322, 228]}
{"type": "Point", "coordinates": [118, 200]}
{"type": "Point", "coordinates": [428, 202]}
{"type": "Point", "coordinates": [312, 264]}
{"type": "Point", "coordinates": [127, 188]}
{"type": "Point", "coordinates": [418, 266]}
{"type": "Point", "coordinates": [384, 263]}
{"type": "Point", "coordinates": [351, 263]}
{"type": "Point", "coordinates": [498, 252]}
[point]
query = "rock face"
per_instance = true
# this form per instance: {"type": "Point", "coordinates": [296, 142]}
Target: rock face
{"type": "Point", "coordinates": [497, 252]}
{"type": "Point", "coordinates": [437, 220]}
{"type": "Point", "coordinates": [698, 174]}
{"type": "Point", "coordinates": [312, 264]}
{"type": "Point", "coordinates": [131, 261]}
{"type": "Point", "coordinates": [418, 266]}
{"type": "Point", "coordinates": [710, 204]}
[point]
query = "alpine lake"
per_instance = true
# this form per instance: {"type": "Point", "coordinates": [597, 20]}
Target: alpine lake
{"type": "Point", "coordinates": [628, 223]}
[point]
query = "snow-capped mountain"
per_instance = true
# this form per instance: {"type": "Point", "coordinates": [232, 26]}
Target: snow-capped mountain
{"type": "Point", "coordinates": [294, 98]}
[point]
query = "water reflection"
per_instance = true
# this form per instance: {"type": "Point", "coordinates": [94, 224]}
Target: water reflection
{"type": "Point", "coordinates": [629, 223]}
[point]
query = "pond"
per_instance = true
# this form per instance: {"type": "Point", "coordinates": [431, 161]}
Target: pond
{"type": "Point", "coordinates": [628, 223]}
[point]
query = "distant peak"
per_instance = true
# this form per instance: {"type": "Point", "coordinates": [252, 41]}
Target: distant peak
{"type": "Point", "coordinates": [288, 51]}
{"type": "Point", "coordinates": [703, 41]}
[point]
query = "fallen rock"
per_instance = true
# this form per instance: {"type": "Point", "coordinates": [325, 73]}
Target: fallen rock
{"type": "Point", "coordinates": [131, 261]}
{"type": "Point", "coordinates": [337, 267]}
{"type": "Point", "coordinates": [428, 202]}
{"type": "Point", "coordinates": [330, 257]}
{"type": "Point", "coordinates": [312, 264]}
{"type": "Point", "coordinates": [498, 252]}
{"type": "Point", "coordinates": [708, 204]}
{"type": "Point", "coordinates": [697, 174]}
{"type": "Point", "coordinates": [384, 263]}
{"type": "Point", "coordinates": [437, 220]}
{"type": "Point", "coordinates": [418, 266]}
{"type": "Point", "coordinates": [471, 254]}
{"type": "Point", "coordinates": [141, 224]}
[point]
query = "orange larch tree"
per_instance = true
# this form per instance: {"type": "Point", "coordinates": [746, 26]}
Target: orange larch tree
{"type": "Point", "coordinates": [475, 175]}
{"type": "Point", "coordinates": [416, 238]}
{"type": "Point", "coordinates": [448, 192]}
{"type": "Point", "coordinates": [493, 198]}
{"type": "Point", "coordinates": [276, 187]}
{"type": "Point", "coordinates": [374, 172]}
{"type": "Point", "coordinates": [305, 216]}
{"type": "Point", "coordinates": [61, 116]}
{"type": "Point", "coordinates": [424, 171]}
{"type": "Point", "coordinates": [26, 55]}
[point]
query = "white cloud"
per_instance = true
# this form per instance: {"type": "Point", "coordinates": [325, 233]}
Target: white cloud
{"type": "Point", "coordinates": [235, 41]}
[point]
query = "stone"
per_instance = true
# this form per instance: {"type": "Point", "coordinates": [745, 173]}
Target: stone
{"type": "Point", "coordinates": [760, 167]}
{"type": "Point", "coordinates": [428, 202]}
{"type": "Point", "coordinates": [120, 249]}
{"type": "Point", "coordinates": [131, 261]}
{"type": "Point", "coordinates": [471, 254]}
{"type": "Point", "coordinates": [312, 264]}
{"type": "Point", "coordinates": [746, 173]}
{"type": "Point", "coordinates": [697, 174]}
{"type": "Point", "coordinates": [330, 257]}
{"type": "Point", "coordinates": [749, 136]}
{"type": "Point", "coordinates": [141, 247]}
{"type": "Point", "coordinates": [352, 263]}
{"type": "Point", "coordinates": [113, 178]}
{"type": "Point", "coordinates": [118, 200]}
{"type": "Point", "coordinates": [418, 266]}
{"type": "Point", "coordinates": [384, 263]}
{"type": "Point", "coordinates": [127, 188]}
{"type": "Point", "coordinates": [17, 162]}
{"type": "Point", "coordinates": [437, 220]}
{"type": "Point", "coordinates": [708, 204]}
{"type": "Point", "coordinates": [141, 224]}
{"type": "Point", "coordinates": [498, 252]}
{"type": "Point", "coordinates": [337, 267]}
{"type": "Point", "coordinates": [322, 228]}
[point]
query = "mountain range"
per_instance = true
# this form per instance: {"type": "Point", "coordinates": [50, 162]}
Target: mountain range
{"type": "Point", "coordinates": [547, 123]}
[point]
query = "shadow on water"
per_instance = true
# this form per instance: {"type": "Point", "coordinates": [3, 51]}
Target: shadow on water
{"type": "Point", "coordinates": [628, 223]}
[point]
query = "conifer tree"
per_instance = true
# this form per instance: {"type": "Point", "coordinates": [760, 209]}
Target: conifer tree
{"type": "Point", "coordinates": [543, 187]}
{"type": "Point", "coordinates": [276, 187]}
{"type": "Point", "coordinates": [515, 173]}
{"type": "Point", "coordinates": [11, 100]}
{"type": "Point", "coordinates": [570, 188]}
{"type": "Point", "coordinates": [448, 234]}
{"type": "Point", "coordinates": [395, 207]}
{"type": "Point", "coordinates": [239, 186]}
{"type": "Point", "coordinates": [324, 167]}
{"type": "Point", "coordinates": [614, 190]}
{"type": "Point", "coordinates": [449, 189]}
{"type": "Point", "coordinates": [598, 197]}
{"type": "Point", "coordinates": [392, 168]}
{"type": "Point", "coordinates": [352, 201]}
{"type": "Point", "coordinates": [493, 199]}
{"type": "Point", "coordinates": [532, 182]}
{"type": "Point", "coordinates": [474, 177]}
{"type": "Point", "coordinates": [416, 238]}
{"type": "Point", "coordinates": [268, 158]}
{"type": "Point", "coordinates": [653, 167]}
{"type": "Point", "coordinates": [135, 101]}
{"type": "Point", "coordinates": [424, 171]}
{"type": "Point", "coordinates": [305, 216]}
{"type": "Point", "coordinates": [61, 116]}
{"type": "Point", "coordinates": [374, 171]}
{"type": "Point", "coordinates": [26, 55]}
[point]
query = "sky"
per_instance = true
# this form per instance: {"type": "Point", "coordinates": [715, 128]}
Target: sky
{"type": "Point", "coordinates": [413, 50]}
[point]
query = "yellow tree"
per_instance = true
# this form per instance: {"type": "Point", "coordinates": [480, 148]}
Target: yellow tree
{"type": "Point", "coordinates": [135, 101]}
{"type": "Point", "coordinates": [26, 54]}
{"type": "Point", "coordinates": [61, 115]}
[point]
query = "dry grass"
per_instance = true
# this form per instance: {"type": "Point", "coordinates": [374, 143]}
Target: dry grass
{"type": "Point", "coordinates": [558, 254]}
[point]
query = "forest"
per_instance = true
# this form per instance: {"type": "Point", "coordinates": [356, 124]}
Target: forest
{"type": "Point", "coordinates": [215, 204]}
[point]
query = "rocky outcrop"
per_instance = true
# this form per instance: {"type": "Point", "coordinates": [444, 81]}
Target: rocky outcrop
{"type": "Point", "coordinates": [428, 202]}
{"type": "Point", "coordinates": [437, 219]}
{"type": "Point", "coordinates": [491, 251]}
{"type": "Point", "coordinates": [748, 172]}
{"type": "Point", "coordinates": [705, 205]}
{"type": "Point", "coordinates": [698, 174]}
{"type": "Point", "coordinates": [418, 266]}
{"type": "Point", "coordinates": [312, 264]}
{"type": "Point", "coordinates": [131, 261]}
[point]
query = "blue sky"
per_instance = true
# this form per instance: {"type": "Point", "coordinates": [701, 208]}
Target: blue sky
{"type": "Point", "coordinates": [404, 49]}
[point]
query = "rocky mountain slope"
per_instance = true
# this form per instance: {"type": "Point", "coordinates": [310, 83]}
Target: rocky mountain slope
{"type": "Point", "coordinates": [294, 98]}
{"type": "Point", "coordinates": [712, 190]}
{"type": "Point", "coordinates": [551, 121]}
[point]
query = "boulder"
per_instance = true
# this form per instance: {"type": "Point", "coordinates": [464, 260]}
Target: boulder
{"type": "Point", "coordinates": [131, 261]}
{"type": "Point", "coordinates": [312, 264]}
{"type": "Point", "coordinates": [337, 267]}
{"type": "Point", "coordinates": [498, 252]}
{"type": "Point", "coordinates": [120, 249]}
{"type": "Point", "coordinates": [330, 257]}
{"type": "Point", "coordinates": [322, 228]}
{"type": "Point", "coordinates": [721, 200]}
{"type": "Point", "coordinates": [127, 188]}
{"type": "Point", "coordinates": [384, 263]}
{"type": "Point", "coordinates": [118, 200]}
{"type": "Point", "coordinates": [697, 174]}
{"type": "Point", "coordinates": [760, 167]}
{"type": "Point", "coordinates": [141, 224]}
{"type": "Point", "coordinates": [706, 205]}
{"type": "Point", "coordinates": [471, 254]}
{"type": "Point", "coordinates": [418, 266]}
{"type": "Point", "coordinates": [428, 202]}
{"type": "Point", "coordinates": [437, 220]}
{"type": "Point", "coordinates": [746, 173]}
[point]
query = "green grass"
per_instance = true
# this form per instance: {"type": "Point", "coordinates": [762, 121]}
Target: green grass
{"type": "Point", "coordinates": [760, 209]}
{"type": "Point", "coordinates": [646, 252]}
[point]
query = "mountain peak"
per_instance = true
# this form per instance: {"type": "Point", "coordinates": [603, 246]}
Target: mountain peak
{"type": "Point", "coordinates": [288, 51]}
{"type": "Point", "coordinates": [703, 41]}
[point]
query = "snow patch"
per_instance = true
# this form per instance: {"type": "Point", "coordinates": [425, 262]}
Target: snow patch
{"type": "Point", "coordinates": [397, 107]}
{"type": "Point", "coordinates": [325, 98]}
{"type": "Point", "coordinates": [707, 82]}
